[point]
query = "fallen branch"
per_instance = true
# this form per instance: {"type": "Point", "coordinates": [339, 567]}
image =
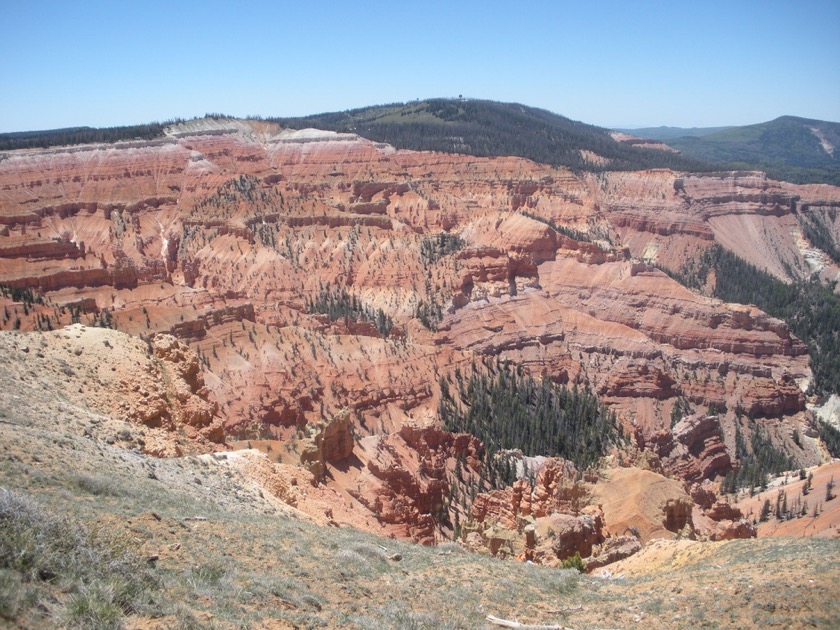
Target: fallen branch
{"type": "Point", "coordinates": [506, 623]}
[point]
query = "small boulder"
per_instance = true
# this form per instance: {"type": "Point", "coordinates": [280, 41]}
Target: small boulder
{"type": "Point", "coordinates": [730, 530]}
{"type": "Point", "coordinates": [612, 550]}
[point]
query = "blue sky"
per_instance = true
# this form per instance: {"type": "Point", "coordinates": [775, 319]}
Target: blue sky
{"type": "Point", "coordinates": [613, 64]}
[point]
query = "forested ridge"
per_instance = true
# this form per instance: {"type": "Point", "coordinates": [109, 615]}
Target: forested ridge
{"type": "Point", "coordinates": [489, 128]}
{"type": "Point", "coordinates": [80, 135]}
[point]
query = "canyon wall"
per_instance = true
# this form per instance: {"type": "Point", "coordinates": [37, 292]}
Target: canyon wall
{"type": "Point", "coordinates": [224, 233]}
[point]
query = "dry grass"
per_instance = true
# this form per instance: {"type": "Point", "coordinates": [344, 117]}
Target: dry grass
{"type": "Point", "coordinates": [242, 568]}
{"type": "Point", "coordinates": [95, 576]}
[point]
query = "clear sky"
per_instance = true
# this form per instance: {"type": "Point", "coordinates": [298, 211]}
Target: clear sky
{"type": "Point", "coordinates": [612, 63]}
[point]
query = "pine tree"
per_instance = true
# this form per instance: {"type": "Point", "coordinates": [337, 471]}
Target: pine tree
{"type": "Point", "coordinates": [765, 511]}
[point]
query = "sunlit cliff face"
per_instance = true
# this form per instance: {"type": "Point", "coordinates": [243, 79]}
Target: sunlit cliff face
{"type": "Point", "coordinates": [236, 237]}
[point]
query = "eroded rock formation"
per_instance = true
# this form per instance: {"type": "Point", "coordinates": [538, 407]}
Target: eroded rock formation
{"type": "Point", "coordinates": [694, 449]}
{"type": "Point", "coordinates": [185, 387]}
{"type": "Point", "coordinates": [405, 482]}
{"type": "Point", "coordinates": [222, 235]}
{"type": "Point", "coordinates": [327, 442]}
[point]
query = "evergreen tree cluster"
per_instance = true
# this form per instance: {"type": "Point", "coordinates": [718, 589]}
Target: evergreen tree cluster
{"type": "Point", "coordinates": [432, 249]}
{"type": "Point", "coordinates": [830, 436]}
{"type": "Point", "coordinates": [24, 295]}
{"type": "Point", "coordinates": [243, 190]}
{"type": "Point", "coordinates": [819, 229]}
{"type": "Point", "coordinates": [436, 246]}
{"type": "Point", "coordinates": [681, 409]}
{"type": "Point", "coordinates": [430, 313]}
{"type": "Point", "coordinates": [81, 135]}
{"type": "Point", "coordinates": [784, 511]}
{"type": "Point", "coordinates": [798, 508]}
{"type": "Point", "coordinates": [756, 464]}
{"type": "Point", "coordinates": [337, 303]}
{"type": "Point", "coordinates": [810, 309]}
{"type": "Point", "coordinates": [28, 299]}
{"type": "Point", "coordinates": [507, 409]}
{"type": "Point", "coordinates": [104, 319]}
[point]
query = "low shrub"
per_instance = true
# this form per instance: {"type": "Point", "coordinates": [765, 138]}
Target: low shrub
{"type": "Point", "coordinates": [574, 562]}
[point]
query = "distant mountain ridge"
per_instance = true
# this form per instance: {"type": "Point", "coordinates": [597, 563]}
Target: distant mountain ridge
{"type": "Point", "coordinates": [799, 150]}
{"type": "Point", "coordinates": [666, 133]}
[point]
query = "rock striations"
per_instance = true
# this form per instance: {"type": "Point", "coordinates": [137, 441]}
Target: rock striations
{"type": "Point", "coordinates": [309, 289]}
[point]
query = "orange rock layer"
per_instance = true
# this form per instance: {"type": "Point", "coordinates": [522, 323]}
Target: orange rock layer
{"type": "Point", "coordinates": [224, 232]}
